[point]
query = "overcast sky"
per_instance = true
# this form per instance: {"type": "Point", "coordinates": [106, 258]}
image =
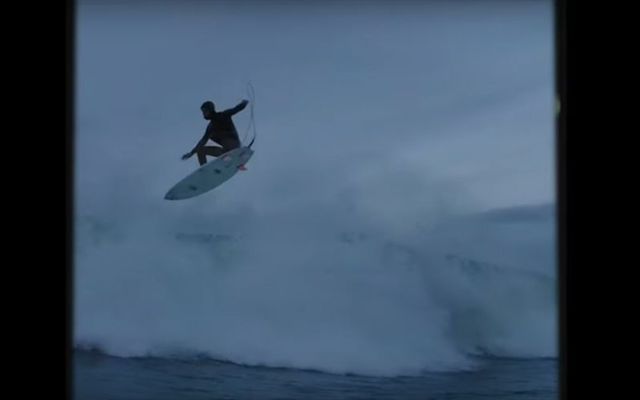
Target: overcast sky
{"type": "Point", "coordinates": [453, 94]}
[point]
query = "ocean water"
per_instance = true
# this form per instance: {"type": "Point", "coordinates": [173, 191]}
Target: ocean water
{"type": "Point", "coordinates": [98, 376]}
{"type": "Point", "coordinates": [192, 316]}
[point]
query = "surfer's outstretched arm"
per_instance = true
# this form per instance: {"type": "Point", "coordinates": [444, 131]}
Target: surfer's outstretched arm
{"type": "Point", "coordinates": [237, 108]}
{"type": "Point", "coordinates": [201, 143]}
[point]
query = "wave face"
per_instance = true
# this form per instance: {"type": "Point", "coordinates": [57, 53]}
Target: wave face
{"type": "Point", "coordinates": [295, 290]}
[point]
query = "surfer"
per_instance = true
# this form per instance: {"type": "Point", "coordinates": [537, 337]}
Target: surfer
{"type": "Point", "coordinates": [220, 129]}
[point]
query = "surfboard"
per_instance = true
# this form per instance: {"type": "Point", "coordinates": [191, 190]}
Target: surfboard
{"type": "Point", "coordinates": [210, 175]}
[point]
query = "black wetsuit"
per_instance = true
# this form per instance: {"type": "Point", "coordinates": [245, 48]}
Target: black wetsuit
{"type": "Point", "coordinates": [222, 131]}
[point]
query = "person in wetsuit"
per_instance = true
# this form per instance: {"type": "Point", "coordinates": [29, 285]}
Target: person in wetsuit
{"type": "Point", "coordinates": [220, 129]}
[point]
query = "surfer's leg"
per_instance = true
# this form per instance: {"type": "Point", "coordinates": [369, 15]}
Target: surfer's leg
{"type": "Point", "coordinates": [208, 151]}
{"type": "Point", "coordinates": [229, 144]}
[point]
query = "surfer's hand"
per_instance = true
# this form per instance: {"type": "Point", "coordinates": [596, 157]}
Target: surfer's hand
{"type": "Point", "coordinates": [245, 102]}
{"type": "Point", "coordinates": [187, 155]}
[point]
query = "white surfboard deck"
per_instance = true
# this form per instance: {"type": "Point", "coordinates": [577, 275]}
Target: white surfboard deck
{"type": "Point", "coordinates": [210, 175]}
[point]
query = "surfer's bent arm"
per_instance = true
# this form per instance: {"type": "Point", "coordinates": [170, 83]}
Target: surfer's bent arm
{"type": "Point", "coordinates": [237, 108]}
